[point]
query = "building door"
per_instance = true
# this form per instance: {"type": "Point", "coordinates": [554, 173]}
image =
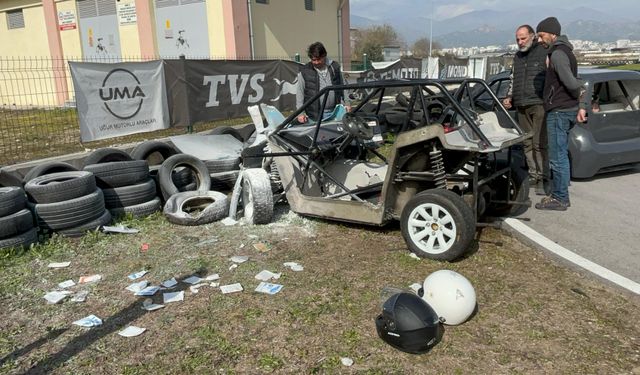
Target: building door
{"type": "Point", "coordinates": [182, 28]}
{"type": "Point", "coordinates": [99, 30]}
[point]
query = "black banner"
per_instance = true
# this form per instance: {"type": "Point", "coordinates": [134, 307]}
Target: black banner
{"type": "Point", "coordinates": [453, 67]}
{"type": "Point", "coordinates": [204, 90]}
{"type": "Point", "coordinates": [403, 69]}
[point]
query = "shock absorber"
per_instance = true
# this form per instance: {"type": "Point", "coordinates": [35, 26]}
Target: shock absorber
{"type": "Point", "coordinates": [437, 167]}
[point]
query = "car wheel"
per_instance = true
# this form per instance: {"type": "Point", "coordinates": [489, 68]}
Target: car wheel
{"type": "Point", "coordinates": [257, 198]}
{"type": "Point", "coordinates": [437, 224]}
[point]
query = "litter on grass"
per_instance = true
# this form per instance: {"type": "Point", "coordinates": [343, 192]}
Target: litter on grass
{"type": "Point", "coordinates": [66, 284]}
{"type": "Point", "coordinates": [268, 288]}
{"type": "Point", "coordinates": [239, 259]}
{"type": "Point", "coordinates": [148, 305]}
{"type": "Point", "coordinates": [228, 221]}
{"type": "Point", "coordinates": [207, 242]}
{"type": "Point", "coordinates": [261, 247]}
{"type": "Point", "coordinates": [119, 229]}
{"type": "Point", "coordinates": [231, 288]}
{"type": "Point", "coordinates": [131, 331]}
{"type": "Point", "coordinates": [148, 291]}
{"type": "Point", "coordinates": [56, 296]}
{"type": "Point", "coordinates": [212, 277]}
{"type": "Point", "coordinates": [194, 288]}
{"type": "Point", "coordinates": [266, 275]}
{"type": "Point", "coordinates": [233, 267]}
{"type": "Point", "coordinates": [59, 265]}
{"type": "Point", "coordinates": [89, 321]}
{"type": "Point", "coordinates": [169, 283]}
{"type": "Point", "coordinates": [293, 266]}
{"type": "Point", "coordinates": [346, 361]}
{"type": "Point", "coordinates": [81, 296]}
{"type": "Point", "coordinates": [136, 287]}
{"type": "Point", "coordinates": [173, 297]}
{"type": "Point", "coordinates": [414, 256]}
{"type": "Point", "coordinates": [89, 279]}
{"type": "Point", "coordinates": [137, 275]}
{"type": "Point", "coordinates": [215, 285]}
{"type": "Point", "coordinates": [192, 280]}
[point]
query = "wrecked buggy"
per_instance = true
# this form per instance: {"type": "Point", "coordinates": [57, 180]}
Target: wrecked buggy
{"type": "Point", "coordinates": [421, 151]}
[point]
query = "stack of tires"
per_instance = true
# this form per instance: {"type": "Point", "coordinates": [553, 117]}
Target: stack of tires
{"type": "Point", "coordinates": [125, 183]}
{"type": "Point", "coordinates": [16, 221]}
{"type": "Point", "coordinates": [68, 203]}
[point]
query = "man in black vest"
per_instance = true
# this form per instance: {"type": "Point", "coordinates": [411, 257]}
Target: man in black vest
{"type": "Point", "coordinates": [562, 93]}
{"type": "Point", "coordinates": [319, 73]}
{"type": "Point", "coordinates": [525, 92]}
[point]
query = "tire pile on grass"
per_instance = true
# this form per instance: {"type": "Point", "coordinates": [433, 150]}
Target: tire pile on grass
{"type": "Point", "coordinates": [16, 220]}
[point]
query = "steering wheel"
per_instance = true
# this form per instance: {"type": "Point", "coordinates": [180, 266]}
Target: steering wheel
{"type": "Point", "coordinates": [357, 126]}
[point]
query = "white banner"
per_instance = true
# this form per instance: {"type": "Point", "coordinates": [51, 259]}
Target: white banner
{"type": "Point", "coordinates": [119, 99]}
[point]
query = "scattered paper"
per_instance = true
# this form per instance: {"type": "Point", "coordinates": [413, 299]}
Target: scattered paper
{"type": "Point", "coordinates": [239, 259]}
{"type": "Point", "coordinates": [66, 284]}
{"type": "Point", "coordinates": [233, 267]}
{"type": "Point", "coordinates": [415, 287]}
{"type": "Point", "coordinates": [268, 288]}
{"type": "Point", "coordinates": [173, 297]}
{"type": "Point", "coordinates": [119, 229]}
{"type": "Point", "coordinates": [131, 331]}
{"type": "Point", "coordinates": [137, 275]}
{"type": "Point", "coordinates": [170, 283]}
{"type": "Point", "coordinates": [192, 280]}
{"type": "Point", "coordinates": [231, 288]}
{"type": "Point", "coordinates": [293, 266]}
{"type": "Point", "coordinates": [148, 291]}
{"type": "Point", "coordinates": [81, 296]}
{"type": "Point", "coordinates": [261, 247]}
{"type": "Point", "coordinates": [215, 285]}
{"type": "Point", "coordinates": [59, 265]}
{"type": "Point", "coordinates": [414, 256]}
{"type": "Point", "coordinates": [89, 279]}
{"type": "Point", "coordinates": [56, 296]}
{"type": "Point", "coordinates": [89, 321]}
{"type": "Point", "coordinates": [212, 277]}
{"type": "Point", "coordinates": [228, 221]}
{"type": "Point", "coordinates": [136, 287]}
{"type": "Point", "coordinates": [266, 275]}
{"type": "Point", "coordinates": [346, 361]}
{"type": "Point", "coordinates": [148, 305]}
{"type": "Point", "coordinates": [194, 288]}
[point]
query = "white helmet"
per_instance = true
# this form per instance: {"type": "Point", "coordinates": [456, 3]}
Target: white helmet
{"type": "Point", "coordinates": [451, 295]}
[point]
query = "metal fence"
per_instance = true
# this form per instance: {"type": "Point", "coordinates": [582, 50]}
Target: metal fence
{"type": "Point", "coordinates": [38, 117]}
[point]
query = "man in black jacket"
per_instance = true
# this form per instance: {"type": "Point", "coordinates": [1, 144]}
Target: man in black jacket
{"type": "Point", "coordinates": [562, 93]}
{"type": "Point", "coordinates": [525, 92]}
{"type": "Point", "coordinates": [319, 73]}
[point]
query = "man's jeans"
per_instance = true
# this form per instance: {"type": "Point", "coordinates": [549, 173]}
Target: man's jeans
{"type": "Point", "coordinates": [558, 126]}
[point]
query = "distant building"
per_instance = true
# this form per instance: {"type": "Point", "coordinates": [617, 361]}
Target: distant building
{"type": "Point", "coordinates": [391, 53]}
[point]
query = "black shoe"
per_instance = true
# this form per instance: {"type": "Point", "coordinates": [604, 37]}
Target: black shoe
{"type": "Point", "coordinates": [550, 203]}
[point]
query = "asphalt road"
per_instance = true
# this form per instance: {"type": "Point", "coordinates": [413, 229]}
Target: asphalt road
{"type": "Point", "coordinates": [602, 224]}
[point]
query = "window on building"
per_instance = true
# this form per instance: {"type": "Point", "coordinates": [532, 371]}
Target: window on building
{"type": "Point", "coordinates": [15, 19]}
{"type": "Point", "coordinates": [308, 4]}
{"type": "Point", "coordinates": [262, 1]}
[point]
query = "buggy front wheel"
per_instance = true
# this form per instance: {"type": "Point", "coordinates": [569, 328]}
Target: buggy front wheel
{"type": "Point", "coordinates": [437, 224]}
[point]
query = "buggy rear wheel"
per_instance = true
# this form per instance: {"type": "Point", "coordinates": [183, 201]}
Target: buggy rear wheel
{"type": "Point", "coordinates": [437, 224]}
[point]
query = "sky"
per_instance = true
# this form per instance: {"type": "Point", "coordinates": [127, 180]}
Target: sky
{"type": "Point", "coordinates": [377, 9]}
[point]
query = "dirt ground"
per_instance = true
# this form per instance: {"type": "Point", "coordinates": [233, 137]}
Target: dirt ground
{"type": "Point", "coordinates": [534, 315]}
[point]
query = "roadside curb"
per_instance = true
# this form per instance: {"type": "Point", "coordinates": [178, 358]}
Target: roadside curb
{"type": "Point", "coordinates": [523, 231]}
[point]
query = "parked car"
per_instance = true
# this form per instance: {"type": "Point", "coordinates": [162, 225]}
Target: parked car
{"type": "Point", "coordinates": [610, 139]}
{"type": "Point", "coordinates": [417, 151]}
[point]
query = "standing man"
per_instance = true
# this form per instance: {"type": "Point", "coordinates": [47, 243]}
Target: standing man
{"type": "Point", "coordinates": [562, 92]}
{"type": "Point", "coordinates": [525, 92]}
{"type": "Point", "coordinates": [319, 73]}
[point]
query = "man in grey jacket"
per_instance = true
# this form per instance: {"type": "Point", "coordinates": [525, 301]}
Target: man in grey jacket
{"type": "Point", "coordinates": [525, 92]}
{"type": "Point", "coordinates": [562, 93]}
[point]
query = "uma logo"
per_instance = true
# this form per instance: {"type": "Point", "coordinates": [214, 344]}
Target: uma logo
{"type": "Point", "coordinates": [121, 93]}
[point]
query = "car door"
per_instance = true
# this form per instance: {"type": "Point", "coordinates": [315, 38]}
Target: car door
{"type": "Point", "coordinates": [616, 116]}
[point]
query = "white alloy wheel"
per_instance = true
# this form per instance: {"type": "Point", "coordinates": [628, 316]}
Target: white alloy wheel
{"type": "Point", "coordinates": [432, 228]}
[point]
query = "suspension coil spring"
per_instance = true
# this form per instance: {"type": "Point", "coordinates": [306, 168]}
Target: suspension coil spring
{"type": "Point", "coordinates": [437, 167]}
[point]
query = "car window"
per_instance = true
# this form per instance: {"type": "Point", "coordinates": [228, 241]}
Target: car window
{"type": "Point", "coordinates": [616, 95]}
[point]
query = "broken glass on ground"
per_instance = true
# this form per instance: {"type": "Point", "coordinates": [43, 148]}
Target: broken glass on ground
{"type": "Point", "coordinates": [137, 275]}
{"type": "Point", "coordinates": [231, 288]}
{"type": "Point", "coordinates": [56, 296]}
{"type": "Point", "coordinates": [136, 287]}
{"type": "Point", "coordinates": [148, 291]}
{"type": "Point", "coordinates": [239, 259]}
{"type": "Point", "coordinates": [268, 288]}
{"type": "Point", "coordinates": [266, 275]}
{"type": "Point", "coordinates": [192, 279]}
{"type": "Point", "coordinates": [173, 297]}
{"type": "Point", "coordinates": [66, 284]}
{"type": "Point", "coordinates": [89, 321]}
{"type": "Point", "coordinates": [169, 283]}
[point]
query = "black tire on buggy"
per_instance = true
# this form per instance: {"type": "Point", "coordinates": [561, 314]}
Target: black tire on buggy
{"type": "Point", "coordinates": [438, 224]}
{"type": "Point", "coordinates": [518, 191]}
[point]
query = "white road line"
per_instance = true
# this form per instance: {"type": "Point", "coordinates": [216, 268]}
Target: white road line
{"type": "Point", "coordinates": [573, 257]}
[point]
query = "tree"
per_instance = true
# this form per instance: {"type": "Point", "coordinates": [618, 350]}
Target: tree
{"type": "Point", "coordinates": [420, 48]}
{"type": "Point", "coordinates": [373, 39]}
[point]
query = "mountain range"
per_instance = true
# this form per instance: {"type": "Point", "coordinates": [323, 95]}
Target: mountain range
{"type": "Point", "coordinates": [491, 27]}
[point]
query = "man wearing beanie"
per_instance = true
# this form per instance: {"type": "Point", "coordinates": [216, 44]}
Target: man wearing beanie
{"type": "Point", "coordinates": [561, 95]}
{"type": "Point", "coordinates": [525, 92]}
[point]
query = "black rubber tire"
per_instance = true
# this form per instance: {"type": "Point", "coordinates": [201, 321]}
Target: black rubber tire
{"type": "Point", "coordinates": [9, 178]}
{"type": "Point", "coordinates": [190, 187]}
{"type": "Point", "coordinates": [92, 225]}
{"type": "Point", "coordinates": [119, 173]}
{"type": "Point", "coordinates": [227, 130]}
{"type": "Point", "coordinates": [223, 165]}
{"type": "Point", "coordinates": [138, 210]}
{"type": "Point", "coordinates": [182, 176]}
{"type": "Point", "coordinates": [130, 195]}
{"type": "Point", "coordinates": [70, 213]}
{"type": "Point", "coordinates": [212, 206]}
{"type": "Point", "coordinates": [18, 222]}
{"type": "Point", "coordinates": [185, 160]}
{"type": "Point", "coordinates": [257, 198]}
{"type": "Point", "coordinates": [12, 200]}
{"type": "Point", "coordinates": [106, 155]}
{"type": "Point", "coordinates": [145, 149]}
{"type": "Point", "coordinates": [60, 186]}
{"type": "Point", "coordinates": [223, 180]}
{"type": "Point", "coordinates": [21, 240]}
{"type": "Point", "coordinates": [460, 230]}
{"type": "Point", "coordinates": [48, 168]}
{"type": "Point", "coordinates": [518, 192]}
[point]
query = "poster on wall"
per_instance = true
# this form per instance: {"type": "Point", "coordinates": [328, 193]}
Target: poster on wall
{"type": "Point", "coordinates": [127, 14]}
{"type": "Point", "coordinates": [119, 99]}
{"type": "Point", "coordinates": [67, 20]}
